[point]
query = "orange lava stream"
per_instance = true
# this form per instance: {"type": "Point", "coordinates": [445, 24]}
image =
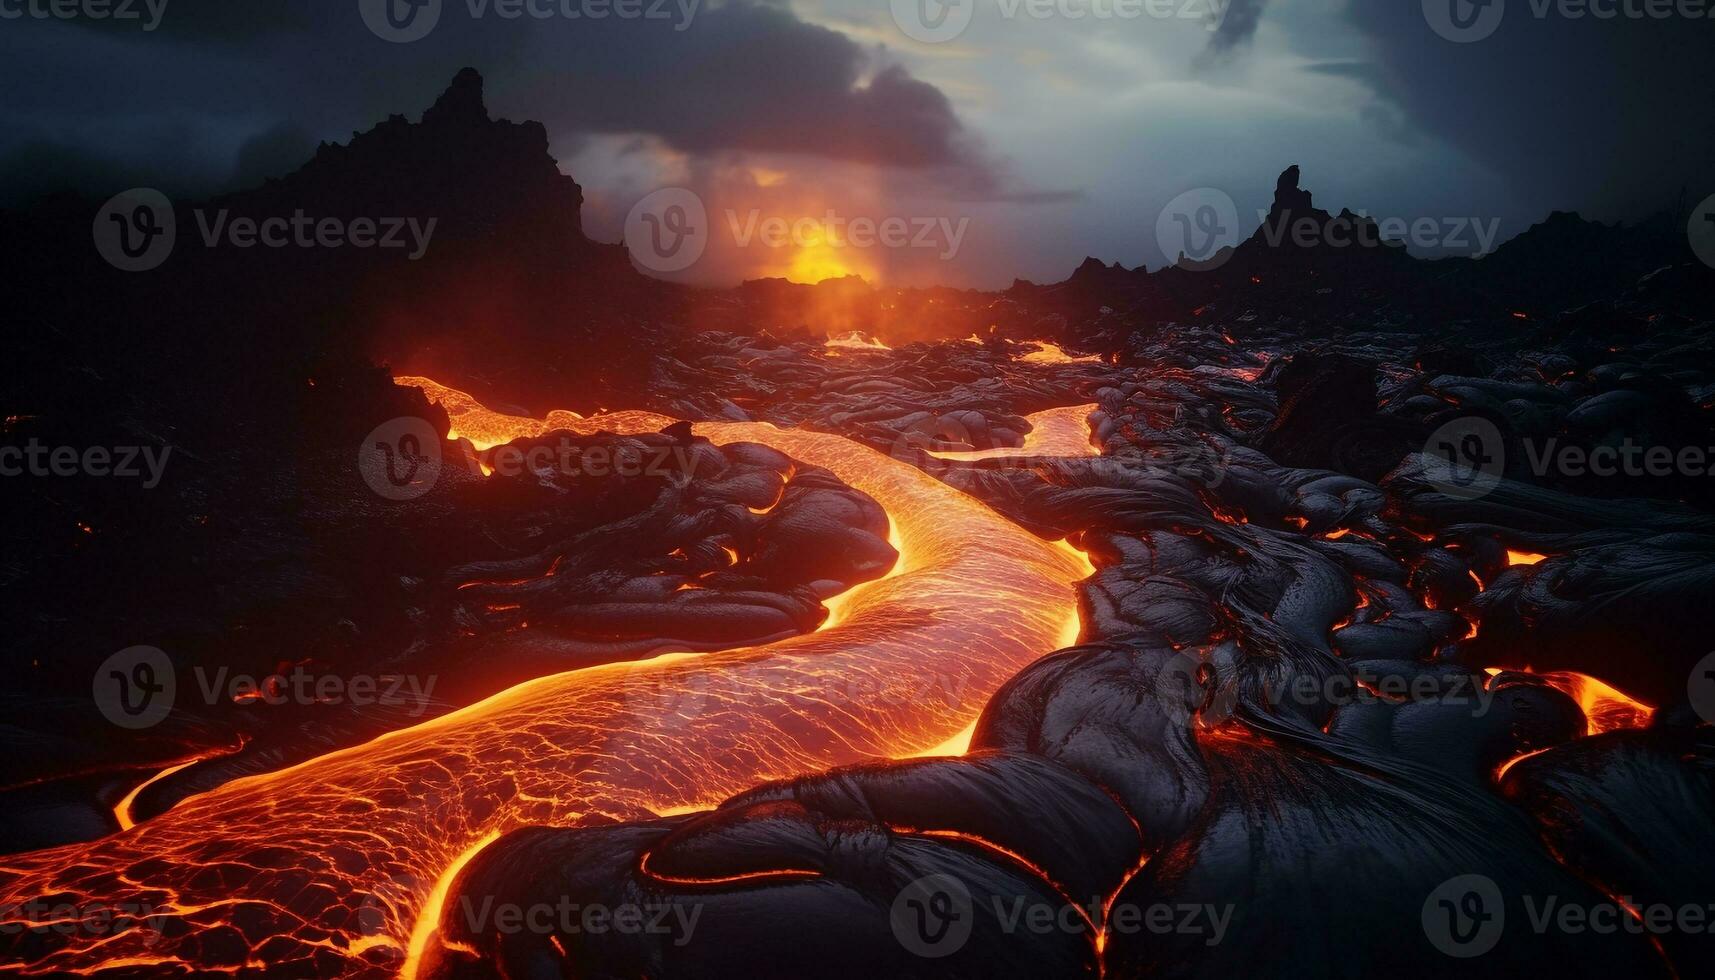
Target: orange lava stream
{"type": "Point", "coordinates": [1048, 352]}
{"type": "Point", "coordinates": [1056, 432]}
{"type": "Point", "coordinates": [328, 867]}
{"type": "Point", "coordinates": [1606, 708]}
{"type": "Point", "coordinates": [854, 341]}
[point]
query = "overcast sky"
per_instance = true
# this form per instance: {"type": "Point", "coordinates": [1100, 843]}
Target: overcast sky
{"type": "Point", "coordinates": [1044, 137]}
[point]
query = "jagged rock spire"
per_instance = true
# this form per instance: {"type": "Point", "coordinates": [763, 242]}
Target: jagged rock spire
{"type": "Point", "coordinates": [461, 103]}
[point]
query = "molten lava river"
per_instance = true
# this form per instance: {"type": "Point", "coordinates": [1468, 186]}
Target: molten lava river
{"type": "Point", "coordinates": [337, 866]}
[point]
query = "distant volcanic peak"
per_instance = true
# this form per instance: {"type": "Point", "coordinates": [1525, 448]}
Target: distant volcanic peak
{"type": "Point", "coordinates": [1288, 197]}
{"type": "Point", "coordinates": [477, 176]}
{"type": "Point", "coordinates": [1295, 225]}
{"type": "Point", "coordinates": [461, 104]}
{"type": "Point", "coordinates": [1094, 267]}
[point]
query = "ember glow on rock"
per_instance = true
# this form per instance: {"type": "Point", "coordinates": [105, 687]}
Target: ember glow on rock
{"type": "Point", "coordinates": [375, 831]}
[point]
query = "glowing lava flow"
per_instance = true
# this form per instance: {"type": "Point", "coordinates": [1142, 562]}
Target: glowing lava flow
{"type": "Point", "coordinates": [854, 341]}
{"type": "Point", "coordinates": [1606, 708]}
{"type": "Point", "coordinates": [1048, 352]}
{"type": "Point", "coordinates": [325, 868]}
{"type": "Point", "coordinates": [1056, 432]}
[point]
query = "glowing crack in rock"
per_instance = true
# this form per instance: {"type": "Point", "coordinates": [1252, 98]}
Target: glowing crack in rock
{"type": "Point", "coordinates": [325, 868]}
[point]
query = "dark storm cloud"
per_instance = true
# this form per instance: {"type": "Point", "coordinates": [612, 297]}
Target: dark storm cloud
{"type": "Point", "coordinates": [259, 81]}
{"type": "Point", "coordinates": [750, 78]}
{"type": "Point", "coordinates": [1608, 115]}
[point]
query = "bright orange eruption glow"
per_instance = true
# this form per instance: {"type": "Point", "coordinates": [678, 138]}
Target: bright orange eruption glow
{"type": "Point", "coordinates": [819, 256]}
{"type": "Point", "coordinates": [1525, 558]}
{"type": "Point", "coordinates": [332, 867]}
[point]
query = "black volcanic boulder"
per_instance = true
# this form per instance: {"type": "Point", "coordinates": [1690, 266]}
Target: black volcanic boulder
{"type": "Point", "coordinates": [1327, 418]}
